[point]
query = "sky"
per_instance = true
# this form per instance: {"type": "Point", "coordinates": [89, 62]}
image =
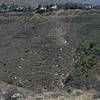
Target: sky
{"type": "Point", "coordinates": [94, 2]}
{"type": "Point", "coordinates": [35, 2]}
{"type": "Point", "coordinates": [87, 1]}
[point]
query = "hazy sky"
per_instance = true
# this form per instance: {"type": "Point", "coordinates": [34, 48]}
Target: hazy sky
{"type": "Point", "coordinates": [64, 1]}
{"type": "Point", "coordinates": [34, 2]}
{"type": "Point", "coordinates": [87, 1]}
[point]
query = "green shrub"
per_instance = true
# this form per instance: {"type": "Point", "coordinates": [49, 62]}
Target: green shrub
{"type": "Point", "coordinates": [38, 17]}
{"type": "Point", "coordinates": [85, 71]}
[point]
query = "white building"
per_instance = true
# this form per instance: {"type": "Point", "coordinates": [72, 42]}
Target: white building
{"type": "Point", "coordinates": [54, 7]}
{"type": "Point", "coordinates": [87, 6]}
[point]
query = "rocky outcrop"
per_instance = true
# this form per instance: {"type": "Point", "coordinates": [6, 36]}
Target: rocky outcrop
{"type": "Point", "coordinates": [10, 92]}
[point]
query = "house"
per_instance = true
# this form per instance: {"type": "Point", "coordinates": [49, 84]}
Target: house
{"type": "Point", "coordinates": [8, 8]}
{"type": "Point", "coordinates": [87, 6]}
{"type": "Point", "coordinates": [41, 9]}
{"type": "Point", "coordinates": [20, 9]}
{"type": "Point", "coordinates": [54, 7]}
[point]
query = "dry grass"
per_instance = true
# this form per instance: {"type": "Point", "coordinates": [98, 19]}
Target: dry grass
{"type": "Point", "coordinates": [85, 96]}
{"type": "Point", "coordinates": [98, 77]}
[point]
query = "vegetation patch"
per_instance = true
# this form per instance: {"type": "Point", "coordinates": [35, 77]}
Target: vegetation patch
{"type": "Point", "coordinates": [86, 71]}
{"type": "Point", "coordinates": [81, 12]}
{"type": "Point", "coordinates": [38, 17]}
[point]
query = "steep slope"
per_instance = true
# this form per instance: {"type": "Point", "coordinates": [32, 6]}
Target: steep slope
{"type": "Point", "coordinates": [34, 52]}
{"type": "Point", "coordinates": [41, 51]}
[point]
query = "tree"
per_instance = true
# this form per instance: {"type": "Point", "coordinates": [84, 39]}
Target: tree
{"type": "Point", "coordinates": [3, 6]}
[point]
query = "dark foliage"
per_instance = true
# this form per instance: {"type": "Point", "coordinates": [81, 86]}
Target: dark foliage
{"type": "Point", "coordinates": [84, 74]}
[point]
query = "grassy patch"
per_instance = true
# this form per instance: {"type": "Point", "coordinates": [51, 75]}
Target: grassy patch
{"type": "Point", "coordinates": [23, 35]}
{"type": "Point", "coordinates": [81, 12]}
{"type": "Point", "coordinates": [38, 17]}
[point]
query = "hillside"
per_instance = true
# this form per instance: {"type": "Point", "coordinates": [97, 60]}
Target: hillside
{"type": "Point", "coordinates": [31, 52]}
{"type": "Point", "coordinates": [51, 52]}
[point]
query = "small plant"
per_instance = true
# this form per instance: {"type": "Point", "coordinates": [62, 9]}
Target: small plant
{"type": "Point", "coordinates": [69, 89]}
{"type": "Point", "coordinates": [19, 83]}
{"type": "Point", "coordinates": [10, 81]}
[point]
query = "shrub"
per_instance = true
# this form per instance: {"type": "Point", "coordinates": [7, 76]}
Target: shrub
{"type": "Point", "coordinates": [83, 75]}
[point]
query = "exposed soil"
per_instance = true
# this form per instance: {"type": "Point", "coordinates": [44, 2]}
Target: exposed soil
{"type": "Point", "coordinates": [35, 53]}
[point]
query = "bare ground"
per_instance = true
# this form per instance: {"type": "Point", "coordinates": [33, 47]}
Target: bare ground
{"type": "Point", "coordinates": [37, 53]}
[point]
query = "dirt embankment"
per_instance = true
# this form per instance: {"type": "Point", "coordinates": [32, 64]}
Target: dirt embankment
{"type": "Point", "coordinates": [40, 51]}
{"type": "Point", "coordinates": [34, 52]}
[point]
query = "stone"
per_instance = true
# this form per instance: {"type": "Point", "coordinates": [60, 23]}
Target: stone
{"type": "Point", "coordinates": [15, 96]}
